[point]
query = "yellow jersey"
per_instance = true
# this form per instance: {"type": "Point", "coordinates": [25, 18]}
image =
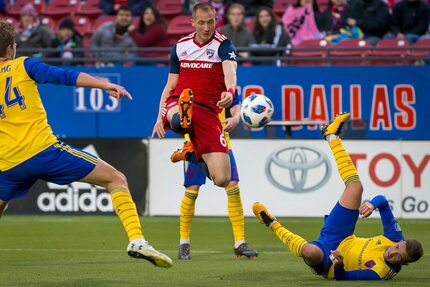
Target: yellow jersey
{"type": "Point", "coordinates": [24, 128]}
{"type": "Point", "coordinates": [365, 254]}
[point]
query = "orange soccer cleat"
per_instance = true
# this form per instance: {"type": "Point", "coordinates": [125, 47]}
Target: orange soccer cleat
{"type": "Point", "coordinates": [181, 153]}
{"type": "Point", "coordinates": [185, 103]}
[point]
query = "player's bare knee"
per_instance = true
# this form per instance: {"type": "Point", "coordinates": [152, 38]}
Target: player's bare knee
{"type": "Point", "coordinates": [312, 254]}
{"type": "Point", "coordinates": [221, 181]}
{"type": "Point", "coordinates": [119, 178]}
{"type": "Point", "coordinates": [354, 187]}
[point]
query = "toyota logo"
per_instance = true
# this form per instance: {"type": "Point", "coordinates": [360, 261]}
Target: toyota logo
{"type": "Point", "coordinates": [298, 168]}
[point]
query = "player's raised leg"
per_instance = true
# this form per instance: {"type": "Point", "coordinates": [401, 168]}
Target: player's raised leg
{"type": "Point", "coordinates": [116, 183]}
{"type": "Point", "coordinates": [351, 197]}
{"type": "Point", "coordinates": [293, 241]}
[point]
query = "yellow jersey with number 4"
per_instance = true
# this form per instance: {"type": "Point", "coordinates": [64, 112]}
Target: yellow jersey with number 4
{"type": "Point", "coordinates": [24, 128]}
{"type": "Point", "coordinates": [365, 254]}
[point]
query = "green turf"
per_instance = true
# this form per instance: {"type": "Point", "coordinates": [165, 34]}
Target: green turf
{"type": "Point", "coordinates": [90, 251]}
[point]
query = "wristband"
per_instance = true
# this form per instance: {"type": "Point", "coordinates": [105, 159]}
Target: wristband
{"type": "Point", "coordinates": [231, 91]}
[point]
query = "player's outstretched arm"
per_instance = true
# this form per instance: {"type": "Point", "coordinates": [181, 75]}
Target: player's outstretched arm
{"type": "Point", "coordinates": [172, 81]}
{"type": "Point", "coordinates": [88, 81]}
{"type": "Point", "coordinates": [230, 80]}
{"type": "Point", "coordinates": [231, 123]}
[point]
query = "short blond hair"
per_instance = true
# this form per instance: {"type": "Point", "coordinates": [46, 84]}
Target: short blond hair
{"type": "Point", "coordinates": [202, 6]}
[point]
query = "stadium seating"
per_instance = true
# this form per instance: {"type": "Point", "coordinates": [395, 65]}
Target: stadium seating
{"type": "Point", "coordinates": [89, 8]}
{"type": "Point", "coordinates": [280, 6]}
{"type": "Point", "coordinates": [350, 48]}
{"type": "Point", "coordinates": [398, 50]}
{"type": "Point", "coordinates": [15, 8]}
{"type": "Point", "coordinates": [50, 23]}
{"type": "Point", "coordinates": [424, 43]}
{"type": "Point", "coordinates": [179, 26]}
{"type": "Point", "coordinates": [9, 19]}
{"type": "Point", "coordinates": [82, 25]}
{"type": "Point", "coordinates": [169, 8]}
{"type": "Point", "coordinates": [101, 20]}
{"type": "Point", "coordinates": [317, 49]}
{"type": "Point", "coordinates": [60, 8]}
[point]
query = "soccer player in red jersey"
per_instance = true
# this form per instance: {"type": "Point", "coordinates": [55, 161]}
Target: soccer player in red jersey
{"type": "Point", "coordinates": [201, 82]}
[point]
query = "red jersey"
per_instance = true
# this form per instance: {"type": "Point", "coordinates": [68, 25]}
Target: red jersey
{"type": "Point", "coordinates": [200, 67]}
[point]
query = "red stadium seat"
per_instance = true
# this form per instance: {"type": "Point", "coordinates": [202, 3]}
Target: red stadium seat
{"type": "Point", "coordinates": [169, 8]}
{"type": "Point", "coordinates": [101, 20]}
{"type": "Point", "coordinates": [82, 25]}
{"type": "Point", "coordinates": [60, 8]}
{"type": "Point", "coordinates": [50, 23]}
{"type": "Point", "coordinates": [179, 26]}
{"type": "Point", "coordinates": [398, 49]}
{"type": "Point", "coordinates": [89, 8]}
{"type": "Point", "coordinates": [346, 49]}
{"type": "Point", "coordinates": [424, 43]}
{"type": "Point", "coordinates": [318, 50]}
{"type": "Point", "coordinates": [280, 6]}
{"type": "Point", "coordinates": [9, 19]}
{"type": "Point", "coordinates": [15, 8]}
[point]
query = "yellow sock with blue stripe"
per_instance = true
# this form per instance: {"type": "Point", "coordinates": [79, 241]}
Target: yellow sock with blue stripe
{"type": "Point", "coordinates": [293, 241]}
{"type": "Point", "coordinates": [186, 213]}
{"type": "Point", "coordinates": [345, 166]}
{"type": "Point", "coordinates": [235, 214]}
{"type": "Point", "coordinates": [127, 213]}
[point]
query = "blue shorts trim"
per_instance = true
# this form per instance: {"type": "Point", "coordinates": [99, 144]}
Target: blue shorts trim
{"type": "Point", "coordinates": [59, 163]}
{"type": "Point", "coordinates": [338, 225]}
{"type": "Point", "coordinates": [193, 175]}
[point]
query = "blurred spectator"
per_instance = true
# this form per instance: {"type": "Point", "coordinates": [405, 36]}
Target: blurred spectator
{"type": "Point", "coordinates": [331, 20]}
{"type": "Point", "coordinates": [236, 31]}
{"type": "Point", "coordinates": [30, 33]}
{"type": "Point", "coordinates": [300, 21]}
{"type": "Point", "coordinates": [110, 7]}
{"type": "Point", "coordinates": [114, 35]}
{"type": "Point", "coordinates": [251, 6]}
{"type": "Point", "coordinates": [219, 7]}
{"type": "Point", "coordinates": [150, 32]}
{"type": "Point", "coordinates": [410, 20]}
{"type": "Point", "coordinates": [371, 16]}
{"type": "Point", "coordinates": [66, 41]}
{"type": "Point", "coordinates": [2, 6]}
{"type": "Point", "coordinates": [268, 33]}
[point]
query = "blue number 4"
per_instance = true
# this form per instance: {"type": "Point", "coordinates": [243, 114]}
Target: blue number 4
{"type": "Point", "coordinates": [19, 98]}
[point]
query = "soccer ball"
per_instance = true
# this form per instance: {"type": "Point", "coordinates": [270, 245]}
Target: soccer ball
{"type": "Point", "coordinates": [256, 111]}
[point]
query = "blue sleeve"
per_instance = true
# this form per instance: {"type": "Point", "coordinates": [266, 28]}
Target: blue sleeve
{"type": "Point", "coordinates": [227, 51]}
{"type": "Point", "coordinates": [341, 274]}
{"type": "Point", "coordinates": [391, 227]}
{"type": "Point", "coordinates": [45, 74]}
{"type": "Point", "coordinates": [174, 61]}
{"type": "Point", "coordinates": [236, 100]}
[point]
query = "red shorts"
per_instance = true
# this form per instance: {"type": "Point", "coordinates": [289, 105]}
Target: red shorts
{"type": "Point", "coordinates": [206, 132]}
{"type": "Point", "coordinates": [170, 102]}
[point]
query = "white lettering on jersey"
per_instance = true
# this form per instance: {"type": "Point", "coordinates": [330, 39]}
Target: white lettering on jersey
{"type": "Point", "coordinates": [197, 65]}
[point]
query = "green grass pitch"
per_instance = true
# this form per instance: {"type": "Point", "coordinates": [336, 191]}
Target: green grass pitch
{"type": "Point", "coordinates": [90, 251]}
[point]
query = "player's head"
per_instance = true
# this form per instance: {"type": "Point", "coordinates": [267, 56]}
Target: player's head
{"type": "Point", "coordinates": [203, 20]}
{"type": "Point", "coordinates": [7, 40]}
{"type": "Point", "coordinates": [404, 252]}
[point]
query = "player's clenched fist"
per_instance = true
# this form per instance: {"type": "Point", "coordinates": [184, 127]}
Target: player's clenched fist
{"type": "Point", "coordinates": [366, 209]}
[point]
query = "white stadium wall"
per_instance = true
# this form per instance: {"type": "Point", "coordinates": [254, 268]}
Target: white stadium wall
{"type": "Point", "coordinates": [299, 178]}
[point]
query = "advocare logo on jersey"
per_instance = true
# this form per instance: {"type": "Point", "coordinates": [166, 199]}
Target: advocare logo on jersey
{"type": "Point", "coordinates": [196, 65]}
{"type": "Point", "coordinates": [298, 168]}
{"type": "Point", "coordinates": [75, 197]}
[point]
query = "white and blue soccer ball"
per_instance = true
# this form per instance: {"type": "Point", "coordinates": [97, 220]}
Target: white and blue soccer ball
{"type": "Point", "coordinates": [256, 110]}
